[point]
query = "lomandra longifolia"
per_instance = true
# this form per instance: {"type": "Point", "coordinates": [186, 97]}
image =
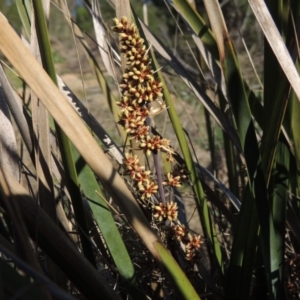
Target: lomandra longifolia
{"type": "Point", "coordinates": [139, 89]}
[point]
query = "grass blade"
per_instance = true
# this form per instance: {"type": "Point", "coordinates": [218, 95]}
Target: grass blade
{"type": "Point", "coordinates": [239, 273]}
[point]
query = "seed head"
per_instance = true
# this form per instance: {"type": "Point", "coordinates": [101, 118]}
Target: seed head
{"type": "Point", "coordinates": [179, 231]}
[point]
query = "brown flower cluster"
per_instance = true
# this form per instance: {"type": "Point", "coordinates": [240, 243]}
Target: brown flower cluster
{"type": "Point", "coordinates": [167, 211]}
{"type": "Point", "coordinates": [143, 181]}
{"type": "Point", "coordinates": [176, 177]}
{"type": "Point", "coordinates": [139, 89]}
{"type": "Point", "coordinates": [191, 242]}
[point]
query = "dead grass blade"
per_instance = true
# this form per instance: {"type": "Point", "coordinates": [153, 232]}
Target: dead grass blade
{"type": "Point", "coordinates": [274, 38]}
{"type": "Point", "coordinates": [15, 107]}
{"type": "Point", "coordinates": [101, 38]}
{"type": "Point", "coordinates": [8, 145]}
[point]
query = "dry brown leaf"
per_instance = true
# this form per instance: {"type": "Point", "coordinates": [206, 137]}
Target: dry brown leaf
{"type": "Point", "coordinates": [101, 38]}
{"type": "Point", "coordinates": [8, 145]}
{"type": "Point", "coordinates": [274, 38]}
{"type": "Point", "coordinates": [15, 106]}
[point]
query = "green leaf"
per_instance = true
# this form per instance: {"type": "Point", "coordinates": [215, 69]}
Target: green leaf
{"type": "Point", "coordinates": [239, 274]}
{"type": "Point", "coordinates": [279, 207]}
{"type": "Point", "coordinates": [103, 217]}
{"type": "Point", "coordinates": [24, 10]}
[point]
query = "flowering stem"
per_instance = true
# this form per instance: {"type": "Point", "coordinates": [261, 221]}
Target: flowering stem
{"type": "Point", "coordinates": [159, 177]}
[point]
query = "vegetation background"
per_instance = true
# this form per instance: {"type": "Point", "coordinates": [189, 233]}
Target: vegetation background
{"type": "Point", "coordinates": [74, 224]}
